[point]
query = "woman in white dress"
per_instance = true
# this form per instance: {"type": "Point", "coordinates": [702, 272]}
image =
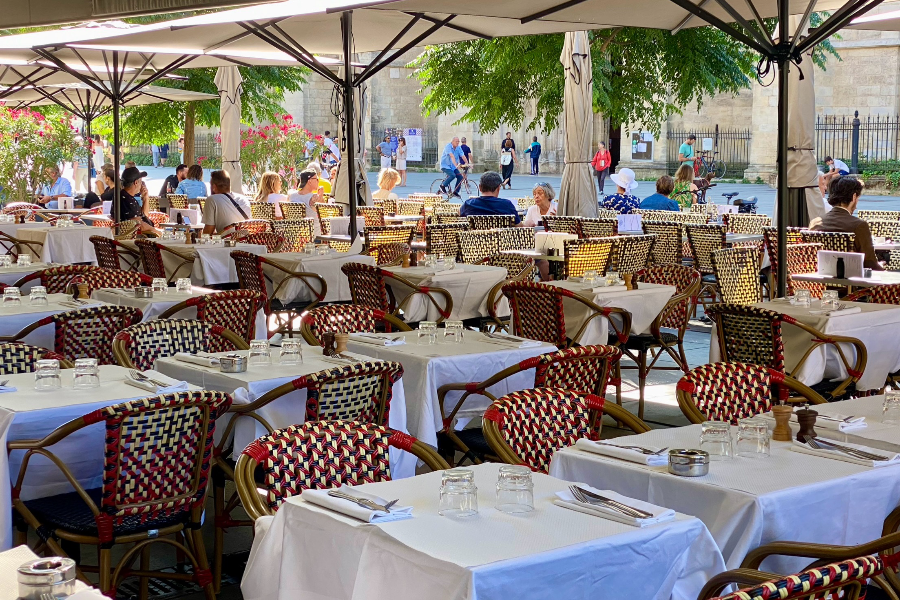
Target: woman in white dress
{"type": "Point", "coordinates": [270, 191]}
{"type": "Point", "coordinates": [387, 180]}
{"type": "Point", "coordinates": [401, 160]}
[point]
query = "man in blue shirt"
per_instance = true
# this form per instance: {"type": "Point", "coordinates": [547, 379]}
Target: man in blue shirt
{"type": "Point", "coordinates": [489, 203]}
{"type": "Point", "coordinates": [450, 161]}
{"type": "Point", "coordinates": [686, 151]}
{"type": "Point", "coordinates": [665, 185]}
{"type": "Point", "coordinates": [60, 188]}
{"type": "Point", "coordinates": [535, 150]}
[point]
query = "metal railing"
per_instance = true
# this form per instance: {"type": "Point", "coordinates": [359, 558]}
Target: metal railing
{"type": "Point", "coordinates": [732, 145]}
{"type": "Point", "coordinates": [861, 143]}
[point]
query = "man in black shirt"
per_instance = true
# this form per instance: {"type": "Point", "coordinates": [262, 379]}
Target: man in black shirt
{"type": "Point", "coordinates": [508, 137]}
{"type": "Point", "coordinates": [129, 208]}
{"type": "Point", "coordinates": [172, 181]}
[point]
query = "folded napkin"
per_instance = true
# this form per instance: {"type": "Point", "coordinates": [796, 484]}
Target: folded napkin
{"type": "Point", "coordinates": [658, 460]}
{"type": "Point", "coordinates": [521, 342]}
{"type": "Point", "coordinates": [275, 340]}
{"type": "Point", "coordinates": [351, 509]}
{"type": "Point", "coordinates": [893, 458]}
{"type": "Point", "coordinates": [836, 422]}
{"type": "Point", "coordinates": [173, 384]}
{"type": "Point", "coordinates": [660, 514]}
{"type": "Point", "coordinates": [850, 310]}
{"type": "Point", "coordinates": [377, 340]}
{"type": "Point", "coordinates": [7, 388]}
{"type": "Point", "coordinates": [201, 358]}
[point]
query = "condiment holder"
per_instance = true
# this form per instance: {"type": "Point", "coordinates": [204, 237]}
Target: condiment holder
{"type": "Point", "coordinates": [54, 576]}
{"type": "Point", "coordinates": [807, 420]}
{"type": "Point", "coordinates": [688, 463]}
{"type": "Point", "coordinates": [233, 363]}
{"type": "Point", "coordinates": [782, 431]}
{"type": "Point", "coordinates": [229, 243]}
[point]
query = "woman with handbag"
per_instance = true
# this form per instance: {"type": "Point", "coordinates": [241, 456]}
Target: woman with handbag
{"type": "Point", "coordinates": [507, 162]}
{"type": "Point", "coordinates": [601, 163]}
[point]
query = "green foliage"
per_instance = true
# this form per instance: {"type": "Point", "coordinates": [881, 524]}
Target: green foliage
{"type": "Point", "coordinates": [29, 144]}
{"type": "Point", "coordinates": [142, 159]}
{"type": "Point", "coordinates": [888, 169]}
{"type": "Point", "coordinates": [759, 180]}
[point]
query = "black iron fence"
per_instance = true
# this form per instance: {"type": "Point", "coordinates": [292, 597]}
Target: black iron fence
{"type": "Point", "coordinates": [732, 146]}
{"type": "Point", "coordinates": [869, 143]}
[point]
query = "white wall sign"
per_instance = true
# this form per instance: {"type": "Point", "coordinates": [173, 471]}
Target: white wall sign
{"type": "Point", "coordinates": [413, 137]}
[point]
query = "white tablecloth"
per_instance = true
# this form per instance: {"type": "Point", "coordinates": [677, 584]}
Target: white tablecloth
{"type": "Point", "coordinates": [12, 559]}
{"type": "Point", "coordinates": [27, 414]}
{"type": "Point", "coordinates": [212, 264]}
{"type": "Point", "coordinates": [14, 273]}
{"type": "Point", "coordinates": [153, 307]}
{"type": "Point", "coordinates": [14, 319]}
{"type": "Point", "coordinates": [64, 245]}
{"type": "Point", "coordinates": [341, 225]}
{"type": "Point", "coordinates": [287, 410]}
{"type": "Point", "coordinates": [11, 229]}
{"type": "Point", "coordinates": [426, 368]}
{"type": "Point", "coordinates": [644, 304]}
{"type": "Point", "coordinates": [553, 552]}
{"type": "Point", "coordinates": [749, 502]}
{"type": "Point", "coordinates": [545, 240]}
{"type": "Point", "coordinates": [327, 266]}
{"type": "Point", "coordinates": [877, 326]}
{"type": "Point", "coordinates": [468, 285]}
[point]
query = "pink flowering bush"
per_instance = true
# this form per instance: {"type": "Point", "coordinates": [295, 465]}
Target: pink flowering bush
{"type": "Point", "coordinates": [29, 143]}
{"type": "Point", "coordinates": [279, 147]}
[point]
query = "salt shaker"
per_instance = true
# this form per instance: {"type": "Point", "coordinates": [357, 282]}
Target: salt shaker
{"type": "Point", "coordinates": [340, 341]}
{"type": "Point", "coordinates": [782, 414]}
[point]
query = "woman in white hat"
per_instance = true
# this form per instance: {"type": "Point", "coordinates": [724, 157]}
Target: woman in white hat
{"type": "Point", "coordinates": [622, 201]}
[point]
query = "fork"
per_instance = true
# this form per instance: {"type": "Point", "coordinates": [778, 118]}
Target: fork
{"type": "Point", "coordinates": [364, 502]}
{"type": "Point", "coordinates": [135, 374]}
{"type": "Point", "coordinates": [640, 449]}
{"type": "Point", "coordinates": [823, 445]}
{"type": "Point", "coordinates": [4, 382]}
{"type": "Point", "coordinates": [581, 497]}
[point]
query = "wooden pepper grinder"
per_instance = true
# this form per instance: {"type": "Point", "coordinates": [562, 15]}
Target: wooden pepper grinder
{"type": "Point", "coordinates": [328, 344]}
{"type": "Point", "coordinates": [340, 341]}
{"type": "Point", "coordinates": [629, 281]}
{"type": "Point", "coordinates": [807, 420]}
{"type": "Point", "coordinates": [782, 413]}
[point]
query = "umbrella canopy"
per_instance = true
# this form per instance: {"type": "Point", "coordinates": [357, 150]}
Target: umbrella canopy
{"type": "Point", "coordinates": [888, 21]}
{"type": "Point", "coordinates": [577, 194]}
{"type": "Point", "coordinates": [229, 83]}
{"type": "Point", "coordinates": [82, 99]}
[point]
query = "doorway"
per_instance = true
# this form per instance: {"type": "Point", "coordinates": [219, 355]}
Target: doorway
{"type": "Point", "coordinates": [614, 146]}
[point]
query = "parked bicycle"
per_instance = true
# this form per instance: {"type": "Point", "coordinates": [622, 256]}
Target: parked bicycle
{"type": "Point", "coordinates": [711, 164]}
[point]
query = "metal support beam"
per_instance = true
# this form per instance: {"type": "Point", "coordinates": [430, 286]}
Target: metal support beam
{"type": "Point", "coordinates": [550, 11]}
{"type": "Point", "coordinates": [349, 161]}
{"type": "Point", "coordinates": [374, 69]}
{"type": "Point", "coordinates": [782, 200]}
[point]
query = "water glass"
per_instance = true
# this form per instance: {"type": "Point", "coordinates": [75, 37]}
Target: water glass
{"type": "Point", "coordinates": [323, 250]}
{"type": "Point", "coordinates": [205, 239]}
{"type": "Point", "coordinates": [589, 278]}
{"type": "Point", "coordinates": [612, 278]}
{"type": "Point", "coordinates": [802, 298]}
{"type": "Point", "coordinates": [87, 374]}
{"type": "Point", "coordinates": [449, 263]}
{"type": "Point", "coordinates": [291, 352]}
{"type": "Point", "coordinates": [5, 261]}
{"type": "Point", "coordinates": [160, 285]}
{"type": "Point", "coordinates": [38, 295]}
{"type": "Point", "coordinates": [24, 260]}
{"type": "Point", "coordinates": [46, 375]}
{"type": "Point", "coordinates": [715, 439]}
{"type": "Point", "coordinates": [430, 261]}
{"type": "Point", "coordinates": [890, 410]}
{"type": "Point", "coordinates": [168, 233]}
{"type": "Point", "coordinates": [259, 353]}
{"type": "Point", "coordinates": [427, 333]}
{"type": "Point", "coordinates": [309, 248]}
{"type": "Point", "coordinates": [453, 332]}
{"type": "Point", "coordinates": [459, 495]}
{"type": "Point", "coordinates": [830, 299]}
{"type": "Point", "coordinates": [12, 296]}
{"type": "Point", "coordinates": [753, 438]}
{"type": "Point", "coordinates": [216, 240]}
{"type": "Point", "coordinates": [515, 490]}
{"type": "Point", "coordinates": [183, 284]}
{"type": "Point", "coordinates": [180, 236]}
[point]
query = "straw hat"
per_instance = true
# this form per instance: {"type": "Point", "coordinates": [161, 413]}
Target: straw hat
{"type": "Point", "coordinates": [624, 179]}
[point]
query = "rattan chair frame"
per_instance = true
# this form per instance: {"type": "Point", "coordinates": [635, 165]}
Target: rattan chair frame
{"type": "Point", "coordinates": [15, 246]}
{"type": "Point", "coordinates": [145, 247]}
{"type": "Point", "coordinates": [885, 229]}
{"type": "Point", "coordinates": [256, 301]}
{"type": "Point", "coordinates": [879, 215]}
{"type": "Point", "coordinates": [48, 278]}
{"type": "Point", "coordinates": [747, 223]}
{"type": "Point", "coordinates": [631, 253]}
{"type": "Point", "coordinates": [293, 210]}
{"type": "Point", "coordinates": [749, 580]}
{"type": "Point", "coordinates": [409, 208]}
{"type": "Point", "coordinates": [737, 275]}
{"type": "Point", "coordinates": [480, 222]}
{"type": "Point", "coordinates": [296, 233]}
{"type": "Point", "coordinates": [373, 216]}
{"type": "Point", "coordinates": [394, 307]}
{"type": "Point", "coordinates": [836, 241]}
{"type": "Point", "coordinates": [563, 224]}
{"type": "Point", "coordinates": [177, 201]}
{"type": "Point", "coordinates": [123, 357]}
{"type": "Point", "coordinates": [476, 245]}
{"type": "Point", "coordinates": [112, 253]}
{"type": "Point", "coordinates": [592, 254]}
{"type": "Point", "coordinates": [803, 258]}
{"type": "Point", "coordinates": [262, 210]}
{"type": "Point", "coordinates": [388, 234]}
{"type": "Point", "coordinates": [518, 268]}
{"type": "Point", "coordinates": [391, 322]}
{"type": "Point", "coordinates": [600, 227]}
{"type": "Point", "coordinates": [669, 242]}
{"type": "Point", "coordinates": [440, 238]}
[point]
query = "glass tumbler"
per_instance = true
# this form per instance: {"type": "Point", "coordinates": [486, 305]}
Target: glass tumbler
{"type": "Point", "coordinates": [216, 240]}
{"type": "Point", "coordinates": [453, 332]}
{"type": "Point", "coordinates": [830, 299]}
{"type": "Point", "coordinates": [427, 333]}
{"type": "Point", "coordinates": [753, 438]}
{"type": "Point", "coordinates": [612, 278]}
{"type": "Point", "coordinates": [291, 352]}
{"type": "Point", "coordinates": [259, 353]}
{"type": "Point", "coordinates": [205, 239]}
{"type": "Point", "coordinates": [449, 263]}
{"type": "Point", "coordinates": [23, 260]}
{"type": "Point", "coordinates": [715, 439]}
{"type": "Point", "coordinates": [87, 374]}
{"type": "Point", "coordinates": [890, 410]}
{"type": "Point", "coordinates": [12, 296]}
{"type": "Point", "coordinates": [160, 285]}
{"type": "Point", "coordinates": [5, 261]}
{"type": "Point", "coordinates": [309, 248]}
{"type": "Point", "coordinates": [589, 279]}
{"type": "Point", "coordinates": [515, 490]}
{"type": "Point", "coordinates": [183, 284]}
{"type": "Point", "coordinates": [459, 495]}
{"type": "Point", "coordinates": [802, 298]}
{"type": "Point", "coordinates": [46, 375]}
{"type": "Point", "coordinates": [38, 295]}
{"type": "Point", "coordinates": [323, 250]}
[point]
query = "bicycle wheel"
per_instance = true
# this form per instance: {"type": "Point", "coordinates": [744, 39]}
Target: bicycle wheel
{"type": "Point", "coordinates": [719, 169]}
{"type": "Point", "coordinates": [471, 187]}
{"type": "Point", "coordinates": [704, 168]}
{"type": "Point", "coordinates": [436, 185]}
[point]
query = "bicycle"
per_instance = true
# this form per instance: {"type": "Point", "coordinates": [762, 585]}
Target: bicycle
{"type": "Point", "coordinates": [712, 165]}
{"type": "Point", "coordinates": [470, 185]}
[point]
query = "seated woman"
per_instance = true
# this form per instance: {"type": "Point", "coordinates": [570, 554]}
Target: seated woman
{"type": "Point", "coordinates": [543, 205]}
{"type": "Point", "coordinates": [387, 180]}
{"type": "Point", "coordinates": [623, 202]}
{"type": "Point", "coordinates": [193, 186]}
{"type": "Point", "coordinates": [843, 196]}
{"type": "Point", "coordinates": [270, 191]}
{"type": "Point", "coordinates": [661, 200]}
{"type": "Point", "coordinates": [685, 189]}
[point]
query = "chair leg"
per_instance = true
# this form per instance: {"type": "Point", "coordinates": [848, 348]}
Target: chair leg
{"type": "Point", "coordinates": [220, 516]}
{"type": "Point", "coordinates": [684, 362]}
{"type": "Point", "coordinates": [104, 566]}
{"type": "Point", "coordinates": [145, 566]}
{"type": "Point", "coordinates": [204, 578]}
{"type": "Point", "coordinates": [618, 384]}
{"type": "Point", "coordinates": [642, 381]}
{"type": "Point", "coordinates": [180, 556]}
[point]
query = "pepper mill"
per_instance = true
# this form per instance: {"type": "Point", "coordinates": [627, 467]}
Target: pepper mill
{"type": "Point", "coordinates": [340, 341]}
{"type": "Point", "coordinates": [83, 291]}
{"type": "Point", "coordinates": [328, 344]}
{"type": "Point", "coordinates": [807, 420]}
{"type": "Point", "coordinates": [629, 281]}
{"type": "Point", "coordinates": [782, 413]}
{"type": "Point", "coordinates": [406, 261]}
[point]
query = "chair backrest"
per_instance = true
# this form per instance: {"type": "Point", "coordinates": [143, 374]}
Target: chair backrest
{"type": "Point", "coordinates": [372, 215]}
{"type": "Point", "coordinates": [737, 272]}
{"type": "Point", "coordinates": [296, 233]}
{"type": "Point", "coordinates": [153, 203]}
{"type": "Point", "coordinates": [360, 392]}
{"type": "Point", "coordinates": [21, 209]}
{"type": "Point", "coordinates": [475, 246]}
{"type": "Point", "coordinates": [668, 247]}
{"type": "Point", "coordinates": [388, 254]}
{"type": "Point", "coordinates": [590, 254]}
{"type": "Point", "coordinates": [704, 240]}
{"type": "Point", "coordinates": [607, 213]}
{"type": "Point", "coordinates": [88, 332]}
{"type": "Point", "coordinates": [749, 335]}
{"type": "Point", "coordinates": [16, 357]}
{"type": "Point", "coordinates": [243, 228]}
{"type": "Point", "coordinates": [345, 318]}
{"type": "Point", "coordinates": [446, 208]}
{"type": "Point", "coordinates": [329, 211]}
{"type": "Point", "coordinates": [517, 238]}
{"type": "Point", "coordinates": [274, 242]}
{"type": "Point", "coordinates": [410, 207]}
{"type": "Point", "coordinates": [563, 224]}
{"type": "Point", "coordinates": [523, 203]}
{"type": "Point", "coordinates": [389, 234]}
{"type": "Point", "coordinates": [250, 272]}
{"type": "Point", "coordinates": [592, 228]}
{"type": "Point", "coordinates": [631, 253]}
{"type": "Point", "coordinates": [293, 210]}
{"type": "Point", "coordinates": [262, 210]}
{"type": "Point", "coordinates": [151, 258]}
{"type": "Point", "coordinates": [879, 215]}
{"type": "Point", "coordinates": [106, 252]}
{"type": "Point", "coordinates": [115, 278]}
{"type": "Point", "coordinates": [491, 221]}
{"type": "Point", "coordinates": [537, 311]}
{"type": "Point", "coordinates": [158, 218]}
{"type": "Point", "coordinates": [177, 200]}
{"type": "Point", "coordinates": [444, 219]}
{"type": "Point", "coordinates": [885, 229]}
{"type": "Point", "coordinates": [389, 205]}
{"type": "Point", "coordinates": [138, 346]}
{"type": "Point", "coordinates": [584, 369]}
{"type": "Point", "coordinates": [127, 230]}
{"type": "Point", "coordinates": [58, 279]}
{"type": "Point", "coordinates": [686, 281]}
{"type": "Point", "coordinates": [518, 266]}
{"type": "Point", "coordinates": [440, 238]}
{"type": "Point", "coordinates": [729, 391]}
{"type": "Point", "coordinates": [235, 310]}
{"type": "Point", "coordinates": [770, 238]}
{"type": "Point", "coordinates": [877, 294]}
{"type": "Point", "coordinates": [836, 241]}
{"type": "Point", "coordinates": [747, 223]}
{"type": "Point", "coordinates": [803, 258]}
{"type": "Point", "coordinates": [367, 287]}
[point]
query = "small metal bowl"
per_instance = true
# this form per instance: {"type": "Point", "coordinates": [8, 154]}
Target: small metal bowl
{"type": "Point", "coordinates": [143, 292]}
{"type": "Point", "coordinates": [230, 243]}
{"type": "Point", "coordinates": [233, 363]}
{"type": "Point", "coordinates": [54, 576]}
{"type": "Point", "coordinates": [688, 463]}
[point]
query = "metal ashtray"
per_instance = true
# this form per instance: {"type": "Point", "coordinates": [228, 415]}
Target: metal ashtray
{"type": "Point", "coordinates": [233, 363]}
{"type": "Point", "coordinates": [230, 243]}
{"type": "Point", "coordinates": [688, 463]}
{"type": "Point", "coordinates": [143, 292]}
{"type": "Point", "coordinates": [54, 576]}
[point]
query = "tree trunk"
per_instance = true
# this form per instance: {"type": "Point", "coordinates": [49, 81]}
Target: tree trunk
{"type": "Point", "coordinates": [189, 118]}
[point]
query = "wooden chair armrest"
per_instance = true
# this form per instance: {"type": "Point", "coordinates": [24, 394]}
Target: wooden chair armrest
{"type": "Point", "coordinates": [740, 577]}
{"type": "Point", "coordinates": [825, 552]}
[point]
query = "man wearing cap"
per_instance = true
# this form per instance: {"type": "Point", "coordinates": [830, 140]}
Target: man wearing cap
{"type": "Point", "coordinates": [129, 208]}
{"type": "Point", "coordinates": [222, 208]}
{"type": "Point", "coordinates": [686, 151]}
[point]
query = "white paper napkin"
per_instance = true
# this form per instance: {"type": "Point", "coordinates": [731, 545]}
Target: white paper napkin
{"type": "Point", "coordinates": [658, 460]}
{"type": "Point", "coordinates": [836, 422]}
{"type": "Point", "coordinates": [376, 340]}
{"type": "Point", "coordinates": [174, 384]}
{"type": "Point", "coordinates": [850, 310]}
{"type": "Point", "coordinates": [893, 459]}
{"type": "Point", "coordinates": [201, 358]}
{"type": "Point", "coordinates": [660, 514]}
{"type": "Point", "coordinates": [351, 509]}
{"type": "Point", "coordinates": [513, 340]}
{"type": "Point", "coordinates": [7, 388]}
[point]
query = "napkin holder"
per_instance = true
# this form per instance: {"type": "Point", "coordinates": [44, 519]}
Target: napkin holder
{"type": "Point", "coordinates": [54, 577]}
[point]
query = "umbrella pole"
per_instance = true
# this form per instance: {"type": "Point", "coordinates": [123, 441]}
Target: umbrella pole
{"type": "Point", "coordinates": [90, 147]}
{"type": "Point", "coordinates": [349, 159]}
{"type": "Point", "coordinates": [116, 163]}
{"type": "Point", "coordinates": [782, 191]}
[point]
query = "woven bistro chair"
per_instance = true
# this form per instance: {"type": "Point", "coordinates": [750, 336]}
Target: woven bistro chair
{"type": "Point", "coordinates": [885, 229]}
{"type": "Point", "coordinates": [593, 228]}
{"type": "Point", "coordinates": [836, 241]}
{"type": "Point", "coordinates": [112, 254]}
{"type": "Point", "coordinates": [730, 391]}
{"type": "Point", "coordinates": [58, 280]}
{"type": "Point", "coordinates": [770, 239]}
{"type": "Point", "coordinates": [563, 224]}
{"type": "Point", "coordinates": [179, 201]}
{"type": "Point", "coordinates": [477, 222]}
{"type": "Point", "coordinates": [156, 462]}
{"type": "Point", "coordinates": [748, 224]}
{"type": "Point", "coordinates": [446, 208]}
{"type": "Point", "coordinates": [242, 229]}
{"type": "Point", "coordinates": [524, 203]}
{"type": "Point", "coordinates": [803, 258]}
{"type": "Point", "coordinates": [153, 265]}
{"type": "Point", "coordinates": [252, 276]}
{"type": "Point", "coordinates": [388, 204]}
{"type": "Point", "coordinates": [16, 357]}
{"type": "Point", "coordinates": [537, 314]}
{"type": "Point", "coordinates": [138, 346]}
{"type": "Point", "coordinates": [388, 255]}
{"type": "Point", "coordinates": [368, 287]}
{"type": "Point", "coordinates": [674, 318]}
{"type": "Point", "coordinates": [390, 235]}
{"type": "Point", "coordinates": [631, 253]}
{"type": "Point", "coordinates": [518, 268]}
{"type": "Point", "coordinates": [591, 254]}
{"type": "Point", "coordinates": [293, 210]}
{"type": "Point", "coordinates": [373, 215]}
{"type": "Point", "coordinates": [296, 233]}
{"type": "Point", "coordinates": [325, 211]}
{"type": "Point", "coordinates": [607, 213]}
{"type": "Point", "coordinates": [753, 335]}
{"type": "Point", "coordinates": [346, 318]}
{"type": "Point", "coordinates": [586, 369]}
{"type": "Point", "coordinates": [317, 455]}
{"type": "Point", "coordinates": [475, 246]}
{"type": "Point", "coordinates": [126, 230]}
{"type": "Point", "coordinates": [115, 279]}
{"type": "Point", "coordinates": [440, 238]}
{"type": "Point", "coordinates": [879, 215]}
{"type": "Point", "coordinates": [668, 247]}
{"type": "Point", "coordinates": [737, 275]}
{"type": "Point", "coordinates": [880, 294]}
{"type": "Point", "coordinates": [516, 238]}
{"type": "Point", "coordinates": [235, 310]}
{"type": "Point", "coordinates": [262, 210]}
{"type": "Point", "coordinates": [528, 426]}
{"type": "Point", "coordinates": [409, 208]}
{"type": "Point", "coordinates": [153, 203]}
{"type": "Point", "coordinates": [443, 219]}
{"type": "Point", "coordinates": [22, 211]}
{"type": "Point", "coordinates": [158, 218]}
{"type": "Point", "coordinates": [273, 242]}
{"type": "Point", "coordinates": [703, 241]}
{"type": "Point", "coordinates": [86, 332]}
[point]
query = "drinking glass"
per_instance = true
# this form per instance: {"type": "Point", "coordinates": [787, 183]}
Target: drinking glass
{"type": "Point", "coordinates": [427, 333]}
{"type": "Point", "coordinates": [260, 353]}
{"type": "Point", "coordinates": [589, 279]}
{"type": "Point", "coordinates": [459, 496]}
{"type": "Point", "coordinates": [180, 236]}
{"type": "Point", "coordinates": [183, 284]}
{"type": "Point", "coordinates": [453, 332]}
{"type": "Point", "coordinates": [715, 439]}
{"type": "Point", "coordinates": [216, 240]}
{"type": "Point", "coordinates": [12, 296]}
{"type": "Point", "coordinates": [612, 278]}
{"type": "Point", "coordinates": [38, 295]}
{"type": "Point", "coordinates": [323, 250]}
{"type": "Point", "coordinates": [309, 248]}
{"type": "Point", "coordinates": [753, 438]}
{"type": "Point", "coordinates": [5, 261]}
{"type": "Point", "coordinates": [890, 410]}
{"type": "Point", "coordinates": [46, 375]}
{"type": "Point", "coordinates": [168, 234]}
{"type": "Point", "coordinates": [160, 285]}
{"type": "Point", "coordinates": [205, 238]}
{"type": "Point", "coordinates": [291, 352]}
{"type": "Point", "coordinates": [515, 490]}
{"type": "Point", "coordinates": [802, 298]}
{"type": "Point", "coordinates": [87, 374]}
{"type": "Point", "coordinates": [24, 260]}
{"type": "Point", "coordinates": [430, 261]}
{"type": "Point", "coordinates": [830, 299]}
{"type": "Point", "coordinates": [449, 263]}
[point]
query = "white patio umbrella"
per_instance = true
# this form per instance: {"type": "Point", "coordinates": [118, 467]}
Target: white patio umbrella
{"type": "Point", "coordinates": [345, 180]}
{"type": "Point", "coordinates": [229, 83]}
{"type": "Point", "coordinates": [806, 202]}
{"type": "Point", "coordinates": [577, 194]}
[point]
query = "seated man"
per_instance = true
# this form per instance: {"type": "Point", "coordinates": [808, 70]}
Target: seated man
{"type": "Point", "coordinates": [59, 188]}
{"type": "Point", "coordinates": [665, 185]}
{"type": "Point", "coordinates": [843, 197]}
{"type": "Point", "coordinates": [836, 168]}
{"type": "Point", "coordinates": [129, 209]}
{"type": "Point", "coordinates": [222, 208]}
{"type": "Point", "coordinates": [489, 203]}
